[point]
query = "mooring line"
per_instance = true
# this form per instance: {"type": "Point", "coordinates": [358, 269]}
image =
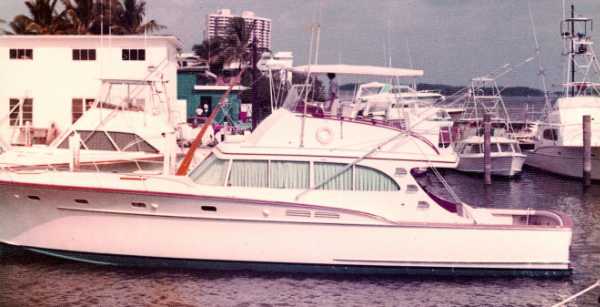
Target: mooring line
{"type": "Point", "coordinates": [572, 297]}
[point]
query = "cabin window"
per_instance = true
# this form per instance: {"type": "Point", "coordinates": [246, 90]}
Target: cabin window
{"type": "Point", "coordinates": [516, 148]}
{"type": "Point", "coordinates": [133, 54]}
{"type": "Point", "coordinates": [550, 134]}
{"type": "Point", "coordinates": [84, 54]}
{"type": "Point", "coordinates": [289, 175]}
{"type": "Point", "coordinates": [79, 106]}
{"type": "Point", "coordinates": [504, 147]}
{"type": "Point", "coordinates": [324, 173]}
{"type": "Point", "coordinates": [98, 140]}
{"type": "Point", "coordinates": [494, 147]}
{"type": "Point", "coordinates": [131, 142]}
{"type": "Point", "coordinates": [211, 171]}
{"type": "Point", "coordinates": [368, 179]}
{"type": "Point", "coordinates": [249, 173]}
{"type": "Point", "coordinates": [20, 113]}
{"type": "Point", "coordinates": [472, 148]}
{"type": "Point", "coordinates": [20, 54]}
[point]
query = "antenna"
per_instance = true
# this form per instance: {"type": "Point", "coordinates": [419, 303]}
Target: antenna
{"type": "Point", "coordinates": [538, 54]}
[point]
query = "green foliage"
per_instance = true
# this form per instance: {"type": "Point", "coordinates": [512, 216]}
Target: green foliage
{"type": "Point", "coordinates": [84, 17]}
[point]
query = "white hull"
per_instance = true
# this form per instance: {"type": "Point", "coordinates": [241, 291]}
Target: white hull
{"type": "Point", "coordinates": [502, 164]}
{"type": "Point", "coordinates": [563, 160]}
{"type": "Point", "coordinates": [176, 226]}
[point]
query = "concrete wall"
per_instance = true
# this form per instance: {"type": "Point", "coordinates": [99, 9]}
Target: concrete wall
{"type": "Point", "coordinates": [52, 78]}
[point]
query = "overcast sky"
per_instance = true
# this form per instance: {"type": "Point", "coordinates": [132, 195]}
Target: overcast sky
{"type": "Point", "coordinates": [452, 40]}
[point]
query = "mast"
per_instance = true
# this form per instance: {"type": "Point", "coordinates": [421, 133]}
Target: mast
{"type": "Point", "coordinates": [572, 55]}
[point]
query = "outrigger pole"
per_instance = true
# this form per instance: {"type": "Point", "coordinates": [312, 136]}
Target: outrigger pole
{"type": "Point", "coordinates": [189, 156]}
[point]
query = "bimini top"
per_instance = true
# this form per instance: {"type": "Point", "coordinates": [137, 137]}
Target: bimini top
{"type": "Point", "coordinates": [358, 70]}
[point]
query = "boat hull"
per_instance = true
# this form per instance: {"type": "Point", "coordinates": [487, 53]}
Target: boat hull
{"type": "Point", "coordinates": [505, 165]}
{"type": "Point", "coordinates": [270, 267]}
{"type": "Point", "coordinates": [563, 160]}
{"type": "Point", "coordinates": [88, 224]}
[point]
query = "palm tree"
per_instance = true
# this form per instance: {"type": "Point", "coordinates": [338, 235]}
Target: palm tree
{"type": "Point", "coordinates": [128, 18]}
{"type": "Point", "coordinates": [44, 19]}
{"type": "Point", "coordinates": [211, 51]}
{"type": "Point", "coordinates": [82, 16]}
{"type": "Point", "coordinates": [237, 42]}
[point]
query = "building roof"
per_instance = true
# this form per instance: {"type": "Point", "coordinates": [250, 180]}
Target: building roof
{"type": "Point", "coordinates": [168, 38]}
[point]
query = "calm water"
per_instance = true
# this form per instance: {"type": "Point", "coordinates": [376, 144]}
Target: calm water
{"type": "Point", "coordinates": [32, 280]}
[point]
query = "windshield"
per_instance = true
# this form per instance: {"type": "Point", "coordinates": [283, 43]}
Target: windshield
{"type": "Point", "coordinates": [369, 91]}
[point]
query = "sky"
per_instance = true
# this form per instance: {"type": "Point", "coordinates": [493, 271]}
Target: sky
{"type": "Point", "coordinates": [453, 41]}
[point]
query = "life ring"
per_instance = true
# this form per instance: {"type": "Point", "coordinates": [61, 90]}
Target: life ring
{"type": "Point", "coordinates": [324, 135]}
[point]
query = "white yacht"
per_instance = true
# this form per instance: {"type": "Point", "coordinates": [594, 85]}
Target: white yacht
{"type": "Point", "coordinates": [506, 155]}
{"type": "Point", "coordinates": [301, 192]}
{"type": "Point", "coordinates": [125, 135]}
{"type": "Point", "coordinates": [559, 143]}
{"type": "Point", "coordinates": [387, 104]}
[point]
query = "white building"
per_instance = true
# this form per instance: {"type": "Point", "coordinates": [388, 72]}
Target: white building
{"type": "Point", "coordinates": [55, 76]}
{"type": "Point", "coordinates": [216, 25]}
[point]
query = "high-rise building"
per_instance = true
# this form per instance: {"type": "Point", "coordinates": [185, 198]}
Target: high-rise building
{"type": "Point", "coordinates": [216, 25]}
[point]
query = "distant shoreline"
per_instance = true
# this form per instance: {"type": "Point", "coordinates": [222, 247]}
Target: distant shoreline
{"type": "Point", "coordinates": [447, 90]}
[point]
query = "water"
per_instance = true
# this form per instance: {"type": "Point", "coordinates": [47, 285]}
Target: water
{"type": "Point", "coordinates": [32, 280]}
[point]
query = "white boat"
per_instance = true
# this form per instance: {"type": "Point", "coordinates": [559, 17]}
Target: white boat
{"type": "Point", "coordinates": [559, 143]}
{"type": "Point", "coordinates": [300, 193]}
{"type": "Point", "coordinates": [507, 159]}
{"type": "Point", "coordinates": [506, 156]}
{"type": "Point", "coordinates": [121, 136]}
{"type": "Point", "coordinates": [390, 104]}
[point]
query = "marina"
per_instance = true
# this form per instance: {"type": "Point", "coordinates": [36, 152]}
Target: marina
{"type": "Point", "coordinates": [238, 174]}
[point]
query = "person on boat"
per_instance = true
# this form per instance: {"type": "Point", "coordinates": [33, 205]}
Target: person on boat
{"type": "Point", "coordinates": [197, 117]}
{"type": "Point", "coordinates": [333, 90]}
{"type": "Point", "coordinates": [52, 133]}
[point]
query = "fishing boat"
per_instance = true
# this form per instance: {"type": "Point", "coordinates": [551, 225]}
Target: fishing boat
{"type": "Point", "coordinates": [387, 103]}
{"type": "Point", "coordinates": [506, 156]}
{"type": "Point", "coordinates": [303, 192]}
{"type": "Point", "coordinates": [559, 142]}
{"type": "Point", "coordinates": [123, 135]}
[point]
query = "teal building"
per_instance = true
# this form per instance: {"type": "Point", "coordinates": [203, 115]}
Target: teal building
{"type": "Point", "coordinates": [192, 86]}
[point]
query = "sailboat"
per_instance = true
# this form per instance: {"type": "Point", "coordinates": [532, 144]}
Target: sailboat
{"type": "Point", "coordinates": [559, 143]}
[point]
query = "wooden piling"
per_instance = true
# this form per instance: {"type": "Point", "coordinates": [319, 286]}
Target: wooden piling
{"type": "Point", "coordinates": [487, 146]}
{"type": "Point", "coordinates": [587, 150]}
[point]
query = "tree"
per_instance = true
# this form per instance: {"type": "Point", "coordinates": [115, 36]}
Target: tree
{"type": "Point", "coordinates": [128, 18]}
{"type": "Point", "coordinates": [82, 16]}
{"type": "Point", "coordinates": [43, 19]}
{"type": "Point", "coordinates": [237, 42]}
{"type": "Point", "coordinates": [211, 50]}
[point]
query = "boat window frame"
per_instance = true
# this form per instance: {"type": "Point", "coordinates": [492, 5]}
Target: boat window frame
{"type": "Point", "coordinates": [552, 134]}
